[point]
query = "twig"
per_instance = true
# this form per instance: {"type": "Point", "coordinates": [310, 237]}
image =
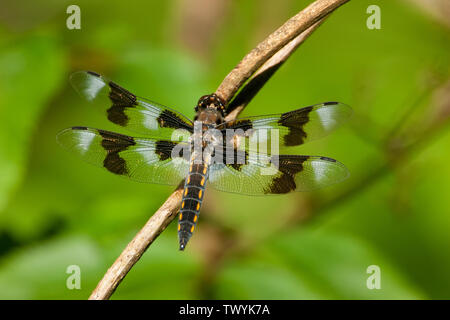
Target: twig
{"type": "Point", "coordinates": [260, 77]}
{"type": "Point", "coordinates": [273, 43]}
{"type": "Point", "coordinates": [284, 40]}
{"type": "Point", "coordinates": [134, 250]}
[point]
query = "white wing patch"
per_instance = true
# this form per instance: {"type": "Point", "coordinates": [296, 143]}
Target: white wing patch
{"type": "Point", "coordinates": [92, 87]}
{"type": "Point", "coordinates": [150, 122]}
{"type": "Point", "coordinates": [148, 152]}
{"type": "Point", "coordinates": [327, 117]}
{"type": "Point", "coordinates": [84, 140]}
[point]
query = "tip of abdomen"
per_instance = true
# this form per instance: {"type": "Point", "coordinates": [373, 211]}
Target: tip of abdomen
{"type": "Point", "coordinates": [183, 238]}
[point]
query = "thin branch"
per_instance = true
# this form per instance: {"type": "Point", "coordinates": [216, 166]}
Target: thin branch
{"type": "Point", "coordinates": [136, 248]}
{"type": "Point", "coordinates": [273, 43]}
{"type": "Point", "coordinates": [260, 77]}
{"type": "Point", "coordinates": [284, 40]}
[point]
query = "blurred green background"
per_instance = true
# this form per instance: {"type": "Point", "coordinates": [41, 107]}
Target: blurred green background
{"type": "Point", "coordinates": [57, 211]}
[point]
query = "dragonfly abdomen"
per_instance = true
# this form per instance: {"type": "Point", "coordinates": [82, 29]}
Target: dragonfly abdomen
{"type": "Point", "coordinates": [193, 193]}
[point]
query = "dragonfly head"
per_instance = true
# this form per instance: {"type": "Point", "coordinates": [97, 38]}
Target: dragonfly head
{"type": "Point", "coordinates": [210, 109]}
{"type": "Point", "coordinates": [211, 101]}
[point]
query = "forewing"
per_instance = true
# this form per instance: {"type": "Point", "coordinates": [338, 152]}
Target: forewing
{"type": "Point", "coordinates": [140, 159]}
{"type": "Point", "coordinates": [129, 111]}
{"type": "Point", "coordinates": [288, 129]}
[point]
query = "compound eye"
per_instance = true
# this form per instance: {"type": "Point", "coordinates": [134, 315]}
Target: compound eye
{"type": "Point", "coordinates": [203, 99]}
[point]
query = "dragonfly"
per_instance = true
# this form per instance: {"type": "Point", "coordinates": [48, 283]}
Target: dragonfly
{"type": "Point", "coordinates": [207, 150]}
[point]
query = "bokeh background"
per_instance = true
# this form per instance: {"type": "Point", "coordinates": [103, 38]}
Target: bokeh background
{"type": "Point", "coordinates": [393, 212]}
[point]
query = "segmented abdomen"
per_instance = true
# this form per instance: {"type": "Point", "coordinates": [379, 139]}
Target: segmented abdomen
{"type": "Point", "coordinates": [193, 193]}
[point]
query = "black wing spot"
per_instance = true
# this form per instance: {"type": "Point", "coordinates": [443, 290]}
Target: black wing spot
{"type": "Point", "coordinates": [113, 143]}
{"type": "Point", "coordinates": [295, 120]}
{"type": "Point", "coordinates": [119, 95]}
{"type": "Point", "coordinates": [330, 103]}
{"type": "Point", "coordinates": [121, 99]}
{"type": "Point", "coordinates": [164, 149]}
{"type": "Point", "coordinates": [240, 158]}
{"type": "Point", "coordinates": [236, 166]}
{"type": "Point", "coordinates": [79, 128]}
{"type": "Point", "coordinates": [288, 166]}
{"type": "Point", "coordinates": [95, 74]}
{"type": "Point", "coordinates": [327, 159]}
{"type": "Point", "coordinates": [169, 119]}
{"type": "Point", "coordinates": [116, 114]}
{"type": "Point", "coordinates": [115, 164]}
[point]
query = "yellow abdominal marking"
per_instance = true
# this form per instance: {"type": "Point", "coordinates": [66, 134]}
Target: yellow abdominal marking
{"type": "Point", "coordinates": [185, 192]}
{"type": "Point", "coordinates": [198, 206]}
{"type": "Point", "coordinates": [200, 194]}
{"type": "Point", "coordinates": [182, 205]}
{"type": "Point", "coordinates": [195, 218]}
{"type": "Point", "coordinates": [179, 227]}
{"type": "Point", "coordinates": [189, 179]}
{"type": "Point", "coordinates": [204, 169]}
{"type": "Point", "coordinates": [190, 168]}
{"type": "Point", "coordinates": [192, 229]}
{"type": "Point", "coordinates": [202, 182]}
{"type": "Point", "coordinates": [181, 216]}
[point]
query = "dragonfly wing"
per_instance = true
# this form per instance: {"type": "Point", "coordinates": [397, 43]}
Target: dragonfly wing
{"type": "Point", "coordinates": [290, 128]}
{"type": "Point", "coordinates": [265, 174]}
{"type": "Point", "coordinates": [140, 159]}
{"type": "Point", "coordinates": [130, 111]}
